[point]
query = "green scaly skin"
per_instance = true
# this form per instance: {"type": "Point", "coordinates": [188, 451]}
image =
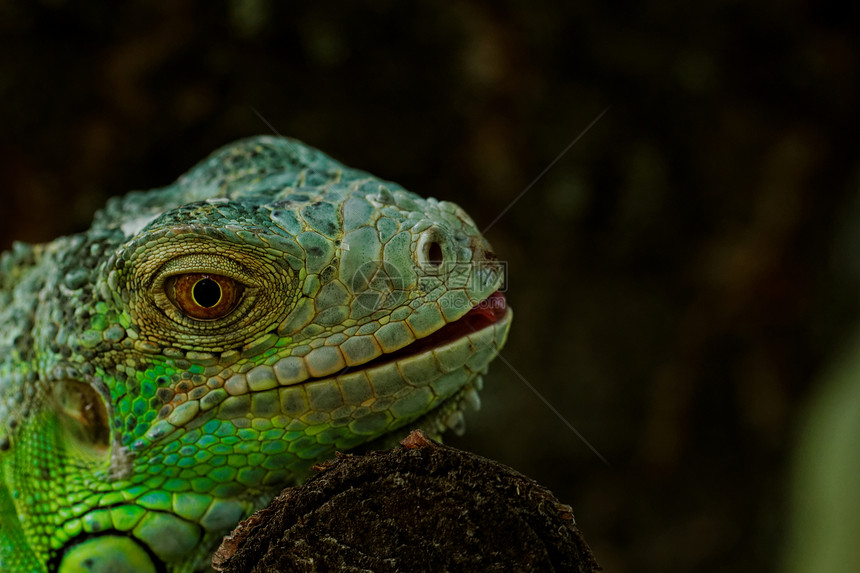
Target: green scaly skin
{"type": "Point", "coordinates": [134, 433]}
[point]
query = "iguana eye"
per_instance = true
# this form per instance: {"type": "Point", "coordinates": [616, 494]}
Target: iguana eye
{"type": "Point", "coordinates": [204, 296]}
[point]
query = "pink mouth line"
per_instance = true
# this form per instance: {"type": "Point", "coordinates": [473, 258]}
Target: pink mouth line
{"type": "Point", "coordinates": [487, 312]}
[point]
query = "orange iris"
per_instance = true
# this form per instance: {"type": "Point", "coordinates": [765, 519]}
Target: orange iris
{"type": "Point", "coordinates": [204, 296]}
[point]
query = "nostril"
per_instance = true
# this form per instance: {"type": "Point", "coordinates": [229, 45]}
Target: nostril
{"type": "Point", "coordinates": [433, 250]}
{"type": "Point", "coordinates": [434, 254]}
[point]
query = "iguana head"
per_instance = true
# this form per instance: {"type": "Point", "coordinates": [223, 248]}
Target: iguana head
{"type": "Point", "coordinates": [205, 343]}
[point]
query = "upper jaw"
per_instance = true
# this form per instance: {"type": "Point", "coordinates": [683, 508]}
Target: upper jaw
{"type": "Point", "coordinates": [386, 393]}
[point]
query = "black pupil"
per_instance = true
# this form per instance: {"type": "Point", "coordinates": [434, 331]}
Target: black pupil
{"type": "Point", "coordinates": [206, 292]}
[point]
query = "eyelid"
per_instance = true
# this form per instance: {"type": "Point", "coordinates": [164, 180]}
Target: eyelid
{"type": "Point", "coordinates": [203, 264]}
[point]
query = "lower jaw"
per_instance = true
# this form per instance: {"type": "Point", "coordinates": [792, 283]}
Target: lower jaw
{"type": "Point", "coordinates": [448, 414]}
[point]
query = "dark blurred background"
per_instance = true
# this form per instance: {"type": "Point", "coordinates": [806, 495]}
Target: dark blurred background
{"type": "Point", "coordinates": [680, 277]}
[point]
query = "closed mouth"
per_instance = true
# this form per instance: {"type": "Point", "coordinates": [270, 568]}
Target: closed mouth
{"type": "Point", "coordinates": [435, 373]}
{"type": "Point", "coordinates": [490, 311]}
{"type": "Point", "coordinates": [476, 338]}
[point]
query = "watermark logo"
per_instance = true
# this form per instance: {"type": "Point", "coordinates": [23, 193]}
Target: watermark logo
{"type": "Point", "coordinates": [380, 285]}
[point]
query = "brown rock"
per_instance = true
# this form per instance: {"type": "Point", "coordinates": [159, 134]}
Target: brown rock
{"type": "Point", "coordinates": [422, 507]}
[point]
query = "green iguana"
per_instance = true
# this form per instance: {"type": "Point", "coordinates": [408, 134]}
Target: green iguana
{"type": "Point", "coordinates": [168, 371]}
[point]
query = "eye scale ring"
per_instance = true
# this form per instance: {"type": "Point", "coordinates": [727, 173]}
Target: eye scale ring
{"type": "Point", "coordinates": [204, 296]}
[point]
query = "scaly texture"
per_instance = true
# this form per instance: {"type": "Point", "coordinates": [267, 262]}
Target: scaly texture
{"type": "Point", "coordinates": [165, 373]}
